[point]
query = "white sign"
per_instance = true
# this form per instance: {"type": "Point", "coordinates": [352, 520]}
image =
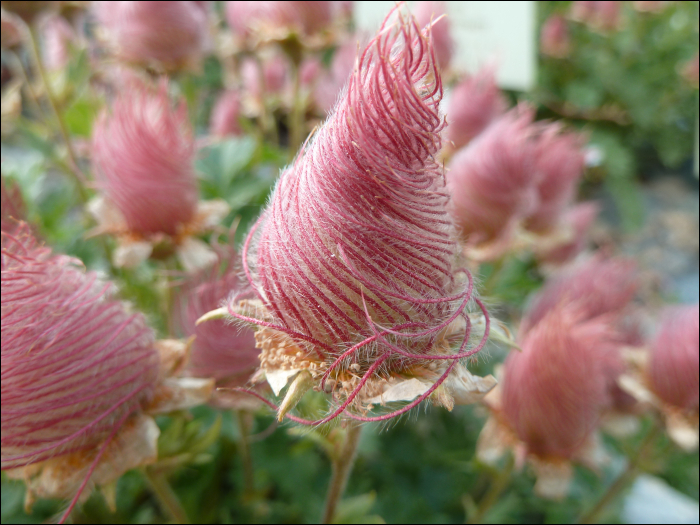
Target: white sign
{"type": "Point", "coordinates": [500, 33]}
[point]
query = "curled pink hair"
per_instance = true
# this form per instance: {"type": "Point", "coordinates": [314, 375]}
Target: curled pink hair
{"type": "Point", "coordinates": [674, 364]}
{"type": "Point", "coordinates": [74, 363]}
{"type": "Point", "coordinates": [475, 103]}
{"type": "Point", "coordinates": [170, 33]}
{"type": "Point", "coordinates": [560, 163]}
{"type": "Point", "coordinates": [596, 286]}
{"type": "Point", "coordinates": [353, 257]}
{"type": "Point", "coordinates": [225, 115]}
{"type": "Point", "coordinates": [555, 389]}
{"type": "Point", "coordinates": [142, 151]}
{"type": "Point", "coordinates": [426, 12]}
{"type": "Point", "coordinates": [492, 181]}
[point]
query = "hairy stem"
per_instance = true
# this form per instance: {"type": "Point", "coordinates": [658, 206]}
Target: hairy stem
{"type": "Point", "coordinates": [243, 419]}
{"type": "Point", "coordinates": [72, 159]}
{"type": "Point", "coordinates": [342, 466]}
{"type": "Point", "coordinates": [625, 478]}
{"type": "Point", "coordinates": [165, 495]}
{"type": "Point", "coordinates": [498, 485]}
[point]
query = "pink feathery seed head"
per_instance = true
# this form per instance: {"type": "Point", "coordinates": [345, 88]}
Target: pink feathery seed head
{"type": "Point", "coordinates": [475, 103]}
{"type": "Point", "coordinates": [596, 286]}
{"type": "Point", "coordinates": [309, 71]}
{"type": "Point", "coordinates": [57, 36]}
{"type": "Point", "coordinates": [560, 164]}
{"type": "Point", "coordinates": [674, 363]}
{"type": "Point", "coordinates": [142, 151]}
{"type": "Point", "coordinates": [554, 37]}
{"type": "Point", "coordinates": [492, 181]}
{"type": "Point", "coordinates": [275, 75]}
{"type": "Point", "coordinates": [74, 362]}
{"type": "Point", "coordinates": [577, 220]}
{"type": "Point", "coordinates": [443, 44]}
{"type": "Point", "coordinates": [306, 18]}
{"type": "Point", "coordinates": [170, 33]}
{"type": "Point", "coordinates": [220, 350]}
{"type": "Point", "coordinates": [225, 115]}
{"type": "Point", "coordinates": [357, 235]}
{"type": "Point", "coordinates": [555, 389]}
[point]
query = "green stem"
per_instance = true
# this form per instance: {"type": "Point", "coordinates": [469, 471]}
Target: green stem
{"type": "Point", "coordinates": [625, 478]}
{"type": "Point", "coordinates": [342, 466]}
{"type": "Point", "coordinates": [243, 419]}
{"type": "Point", "coordinates": [498, 485]}
{"type": "Point", "coordinates": [165, 495]}
{"type": "Point", "coordinates": [75, 171]}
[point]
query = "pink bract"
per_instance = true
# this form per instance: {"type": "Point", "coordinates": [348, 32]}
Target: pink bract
{"type": "Point", "coordinates": [142, 151]}
{"type": "Point", "coordinates": [74, 362]}
{"type": "Point", "coordinates": [170, 33]}
{"type": "Point", "coordinates": [555, 389]}
{"type": "Point", "coordinates": [475, 103]}
{"type": "Point", "coordinates": [492, 181]}
{"type": "Point", "coordinates": [674, 364]}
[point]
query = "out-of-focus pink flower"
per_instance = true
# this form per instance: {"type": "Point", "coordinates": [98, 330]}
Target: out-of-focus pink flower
{"type": "Point", "coordinates": [575, 222]}
{"type": "Point", "coordinates": [555, 389]}
{"type": "Point", "coordinates": [595, 286]}
{"type": "Point", "coordinates": [331, 83]}
{"type": "Point", "coordinates": [221, 350]}
{"type": "Point", "coordinates": [275, 75]}
{"type": "Point", "coordinates": [554, 37]}
{"type": "Point", "coordinates": [171, 34]}
{"type": "Point", "coordinates": [600, 15]}
{"type": "Point", "coordinates": [309, 71]}
{"type": "Point", "coordinates": [690, 71]}
{"type": "Point", "coordinates": [75, 364]}
{"type": "Point", "coordinates": [560, 164]}
{"type": "Point", "coordinates": [12, 205]}
{"type": "Point", "coordinates": [276, 19]}
{"type": "Point", "coordinates": [492, 181]}
{"type": "Point", "coordinates": [225, 115]}
{"type": "Point", "coordinates": [475, 103]}
{"type": "Point", "coordinates": [142, 151]}
{"type": "Point", "coordinates": [353, 257]}
{"type": "Point", "coordinates": [11, 32]}
{"type": "Point", "coordinates": [425, 12]}
{"type": "Point", "coordinates": [58, 36]}
{"type": "Point", "coordinates": [674, 363]}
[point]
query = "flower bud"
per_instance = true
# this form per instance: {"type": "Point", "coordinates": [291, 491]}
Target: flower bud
{"type": "Point", "coordinates": [492, 180]}
{"type": "Point", "coordinates": [673, 366]}
{"type": "Point", "coordinates": [275, 76]}
{"type": "Point", "coordinates": [475, 103]}
{"type": "Point", "coordinates": [74, 362]}
{"type": "Point", "coordinates": [554, 37]}
{"type": "Point", "coordinates": [425, 13]}
{"type": "Point", "coordinates": [142, 150]}
{"type": "Point", "coordinates": [555, 389]}
{"type": "Point", "coordinates": [225, 115]}
{"type": "Point", "coordinates": [595, 286]}
{"type": "Point", "coordinates": [560, 163]}
{"type": "Point", "coordinates": [170, 34]}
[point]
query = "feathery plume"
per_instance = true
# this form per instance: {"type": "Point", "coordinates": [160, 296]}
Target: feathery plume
{"type": "Point", "coordinates": [443, 45]}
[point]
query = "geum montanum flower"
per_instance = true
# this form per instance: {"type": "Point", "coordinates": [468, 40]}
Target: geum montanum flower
{"type": "Point", "coordinates": [80, 373]}
{"type": "Point", "coordinates": [143, 153]}
{"type": "Point", "coordinates": [666, 374]}
{"type": "Point", "coordinates": [352, 262]}
{"type": "Point", "coordinates": [163, 35]}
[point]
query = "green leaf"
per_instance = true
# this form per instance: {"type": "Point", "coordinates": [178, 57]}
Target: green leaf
{"type": "Point", "coordinates": [80, 115]}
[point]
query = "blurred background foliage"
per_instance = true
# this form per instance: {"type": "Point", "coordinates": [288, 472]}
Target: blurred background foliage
{"type": "Point", "coordinates": [624, 88]}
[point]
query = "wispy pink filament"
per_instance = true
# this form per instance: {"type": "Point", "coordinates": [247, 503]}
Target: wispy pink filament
{"type": "Point", "coordinates": [354, 255]}
{"type": "Point", "coordinates": [74, 363]}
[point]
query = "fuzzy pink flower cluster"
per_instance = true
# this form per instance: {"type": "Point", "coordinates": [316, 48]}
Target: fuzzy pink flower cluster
{"type": "Point", "coordinates": [75, 364]}
{"type": "Point", "coordinates": [476, 102]}
{"type": "Point", "coordinates": [171, 34]}
{"type": "Point", "coordinates": [674, 364]}
{"type": "Point", "coordinates": [353, 257]}
{"type": "Point", "coordinates": [142, 151]}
